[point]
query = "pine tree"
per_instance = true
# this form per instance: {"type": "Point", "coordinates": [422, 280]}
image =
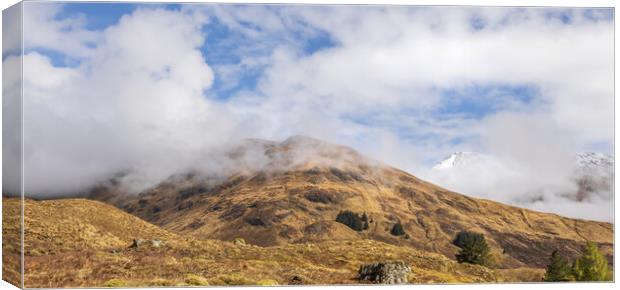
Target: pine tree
{"type": "Point", "coordinates": [591, 266]}
{"type": "Point", "coordinates": [351, 219]}
{"type": "Point", "coordinates": [558, 270]}
{"type": "Point", "coordinates": [474, 248]}
{"type": "Point", "coordinates": [364, 221]}
{"type": "Point", "coordinates": [397, 230]}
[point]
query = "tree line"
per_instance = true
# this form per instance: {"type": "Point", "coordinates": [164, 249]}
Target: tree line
{"type": "Point", "coordinates": [590, 266]}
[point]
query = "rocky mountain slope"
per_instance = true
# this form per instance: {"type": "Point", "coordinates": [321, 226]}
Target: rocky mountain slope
{"type": "Point", "coordinates": [295, 192]}
{"type": "Point", "coordinates": [85, 243]}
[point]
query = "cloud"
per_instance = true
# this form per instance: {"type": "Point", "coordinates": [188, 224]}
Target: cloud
{"type": "Point", "coordinates": [160, 90]}
{"type": "Point", "coordinates": [132, 101]}
{"type": "Point", "coordinates": [66, 35]}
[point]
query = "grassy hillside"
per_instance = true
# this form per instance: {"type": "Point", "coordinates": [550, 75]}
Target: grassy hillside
{"type": "Point", "coordinates": [83, 243]}
{"type": "Point", "coordinates": [56, 226]}
{"type": "Point", "coordinates": [295, 199]}
{"type": "Point", "coordinates": [276, 223]}
{"type": "Point", "coordinates": [11, 241]}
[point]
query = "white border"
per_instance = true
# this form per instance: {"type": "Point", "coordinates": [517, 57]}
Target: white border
{"type": "Point", "coordinates": [561, 3]}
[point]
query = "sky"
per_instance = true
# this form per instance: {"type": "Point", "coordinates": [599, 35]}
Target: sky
{"type": "Point", "coordinates": [111, 86]}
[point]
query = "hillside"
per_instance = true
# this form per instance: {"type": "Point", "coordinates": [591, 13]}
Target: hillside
{"type": "Point", "coordinates": [295, 194]}
{"type": "Point", "coordinates": [83, 243]}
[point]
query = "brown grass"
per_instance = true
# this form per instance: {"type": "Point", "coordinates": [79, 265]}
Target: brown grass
{"type": "Point", "coordinates": [101, 257]}
{"type": "Point", "coordinates": [11, 241]}
{"type": "Point", "coordinates": [273, 209]}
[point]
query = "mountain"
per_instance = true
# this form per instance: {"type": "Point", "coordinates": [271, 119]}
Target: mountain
{"type": "Point", "coordinates": [592, 174]}
{"type": "Point", "coordinates": [292, 191]}
{"type": "Point", "coordinates": [84, 243]}
{"type": "Point", "coordinates": [458, 159]}
{"type": "Point", "coordinates": [585, 161]}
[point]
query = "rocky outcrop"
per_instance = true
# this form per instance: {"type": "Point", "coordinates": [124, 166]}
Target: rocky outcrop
{"type": "Point", "coordinates": [137, 243]}
{"type": "Point", "coordinates": [384, 273]}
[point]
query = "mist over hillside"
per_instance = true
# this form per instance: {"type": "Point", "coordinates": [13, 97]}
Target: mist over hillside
{"type": "Point", "coordinates": [583, 189]}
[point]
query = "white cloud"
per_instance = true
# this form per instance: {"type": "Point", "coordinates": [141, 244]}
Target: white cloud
{"type": "Point", "coordinates": [132, 101]}
{"type": "Point", "coordinates": [136, 98]}
{"type": "Point", "coordinates": [43, 30]}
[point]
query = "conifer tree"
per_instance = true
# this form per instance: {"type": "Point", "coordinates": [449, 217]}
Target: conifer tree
{"type": "Point", "coordinates": [592, 265]}
{"type": "Point", "coordinates": [474, 248]}
{"type": "Point", "coordinates": [558, 269]}
{"type": "Point", "coordinates": [351, 219]}
{"type": "Point", "coordinates": [397, 229]}
{"type": "Point", "coordinates": [364, 221]}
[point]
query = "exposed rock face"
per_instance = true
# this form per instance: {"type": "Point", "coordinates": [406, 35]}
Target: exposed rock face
{"type": "Point", "coordinates": [385, 272]}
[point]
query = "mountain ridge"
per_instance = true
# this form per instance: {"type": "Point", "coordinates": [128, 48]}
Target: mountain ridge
{"type": "Point", "coordinates": [288, 201]}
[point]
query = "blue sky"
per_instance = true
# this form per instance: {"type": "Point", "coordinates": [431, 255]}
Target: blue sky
{"type": "Point", "coordinates": [224, 46]}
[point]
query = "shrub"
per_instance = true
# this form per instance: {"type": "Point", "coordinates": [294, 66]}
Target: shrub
{"type": "Point", "coordinates": [591, 266]}
{"type": "Point", "coordinates": [239, 241]}
{"type": "Point", "coordinates": [320, 197]}
{"type": "Point", "coordinates": [474, 248]}
{"type": "Point", "coordinates": [351, 219]}
{"type": "Point", "coordinates": [231, 280]}
{"type": "Point", "coordinates": [196, 280]}
{"type": "Point", "coordinates": [267, 282]}
{"type": "Point", "coordinates": [558, 269]}
{"type": "Point", "coordinates": [397, 230]}
{"type": "Point", "coordinates": [160, 282]}
{"type": "Point", "coordinates": [115, 283]}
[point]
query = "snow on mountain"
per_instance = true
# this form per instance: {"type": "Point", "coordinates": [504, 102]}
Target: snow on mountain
{"type": "Point", "coordinates": [457, 159]}
{"type": "Point", "coordinates": [585, 161]}
{"type": "Point", "coordinates": [588, 185]}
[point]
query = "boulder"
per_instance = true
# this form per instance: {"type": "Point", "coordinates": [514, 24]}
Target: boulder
{"type": "Point", "coordinates": [384, 273]}
{"type": "Point", "coordinates": [137, 243]}
{"type": "Point", "coordinates": [156, 243]}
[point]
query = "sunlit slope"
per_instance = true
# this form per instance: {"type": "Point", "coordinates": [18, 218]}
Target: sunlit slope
{"type": "Point", "coordinates": [58, 255]}
{"type": "Point", "coordinates": [56, 226]}
{"type": "Point", "coordinates": [296, 200]}
{"type": "Point", "coordinates": [11, 240]}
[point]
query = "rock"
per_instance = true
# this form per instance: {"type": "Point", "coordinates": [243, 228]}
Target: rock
{"type": "Point", "coordinates": [385, 272]}
{"type": "Point", "coordinates": [137, 243]}
{"type": "Point", "coordinates": [140, 242]}
{"type": "Point", "coordinates": [156, 243]}
{"type": "Point", "coordinates": [239, 242]}
{"type": "Point", "coordinates": [297, 280]}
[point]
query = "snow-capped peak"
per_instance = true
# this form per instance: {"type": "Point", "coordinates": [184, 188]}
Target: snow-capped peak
{"type": "Point", "coordinates": [456, 159]}
{"type": "Point", "coordinates": [583, 160]}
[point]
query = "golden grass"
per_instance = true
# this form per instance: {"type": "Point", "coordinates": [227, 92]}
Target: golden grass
{"type": "Point", "coordinates": [195, 280]}
{"type": "Point", "coordinates": [58, 255]}
{"type": "Point", "coordinates": [11, 243]}
{"type": "Point", "coordinates": [101, 257]}
{"type": "Point", "coordinates": [430, 215]}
